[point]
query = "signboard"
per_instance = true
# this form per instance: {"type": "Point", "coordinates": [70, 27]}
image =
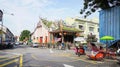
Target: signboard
{"type": "Point", "coordinates": [1, 15]}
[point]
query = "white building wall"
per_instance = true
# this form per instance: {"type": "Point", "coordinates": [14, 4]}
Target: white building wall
{"type": "Point", "coordinates": [41, 31]}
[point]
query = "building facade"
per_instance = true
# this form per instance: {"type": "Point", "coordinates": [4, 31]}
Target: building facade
{"type": "Point", "coordinates": [87, 26]}
{"type": "Point", "coordinates": [41, 33]}
{"type": "Point", "coordinates": [6, 35]}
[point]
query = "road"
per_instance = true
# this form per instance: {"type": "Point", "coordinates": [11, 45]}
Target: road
{"type": "Point", "coordinates": [44, 57]}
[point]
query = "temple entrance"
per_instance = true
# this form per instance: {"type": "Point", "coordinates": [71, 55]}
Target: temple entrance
{"type": "Point", "coordinates": [68, 38]}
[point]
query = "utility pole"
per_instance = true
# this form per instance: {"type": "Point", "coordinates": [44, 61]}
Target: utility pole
{"type": "Point", "coordinates": [61, 31]}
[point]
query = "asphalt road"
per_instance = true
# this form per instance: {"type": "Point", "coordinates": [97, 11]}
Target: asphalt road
{"type": "Point", "coordinates": [44, 57]}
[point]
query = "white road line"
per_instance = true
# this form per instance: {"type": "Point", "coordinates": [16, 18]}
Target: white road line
{"type": "Point", "coordinates": [11, 53]}
{"type": "Point", "coordinates": [66, 65]}
{"type": "Point", "coordinates": [51, 51]}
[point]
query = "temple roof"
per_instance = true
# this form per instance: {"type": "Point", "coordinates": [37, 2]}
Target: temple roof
{"type": "Point", "coordinates": [66, 29]}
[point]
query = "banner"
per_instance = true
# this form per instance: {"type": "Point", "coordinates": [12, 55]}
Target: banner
{"type": "Point", "coordinates": [57, 39]}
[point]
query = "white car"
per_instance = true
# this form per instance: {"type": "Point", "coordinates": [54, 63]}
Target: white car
{"type": "Point", "coordinates": [35, 44]}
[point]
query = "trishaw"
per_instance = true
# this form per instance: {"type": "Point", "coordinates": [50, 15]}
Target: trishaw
{"type": "Point", "coordinates": [95, 53]}
{"type": "Point", "coordinates": [111, 54]}
{"type": "Point", "coordinates": [81, 51]}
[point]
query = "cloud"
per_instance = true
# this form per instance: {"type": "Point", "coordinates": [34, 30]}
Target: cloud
{"type": "Point", "coordinates": [26, 14]}
{"type": "Point", "coordinates": [54, 13]}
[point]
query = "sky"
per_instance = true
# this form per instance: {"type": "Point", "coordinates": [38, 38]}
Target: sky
{"type": "Point", "coordinates": [27, 12]}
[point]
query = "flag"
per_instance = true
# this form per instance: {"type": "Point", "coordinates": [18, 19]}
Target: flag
{"type": "Point", "coordinates": [57, 39]}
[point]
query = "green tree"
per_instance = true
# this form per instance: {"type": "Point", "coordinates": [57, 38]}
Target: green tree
{"type": "Point", "coordinates": [90, 6]}
{"type": "Point", "coordinates": [25, 34]}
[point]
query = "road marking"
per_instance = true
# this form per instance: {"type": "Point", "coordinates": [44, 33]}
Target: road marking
{"type": "Point", "coordinates": [3, 56]}
{"type": "Point", "coordinates": [21, 61]}
{"type": "Point", "coordinates": [8, 58]}
{"type": "Point", "coordinates": [34, 57]}
{"type": "Point", "coordinates": [66, 65]}
{"type": "Point", "coordinates": [35, 65]}
{"type": "Point", "coordinates": [84, 60]}
{"type": "Point", "coordinates": [15, 66]}
{"type": "Point", "coordinates": [20, 56]}
{"type": "Point", "coordinates": [110, 60]}
{"type": "Point", "coordinates": [88, 65]}
{"type": "Point", "coordinates": [51, 51]}
{"type": "Point", "coordinates": [75, 59]}
{"type": "Point", "coordinates": [61, 54]}
{"type": "Point", "coordinates": [8, 63]}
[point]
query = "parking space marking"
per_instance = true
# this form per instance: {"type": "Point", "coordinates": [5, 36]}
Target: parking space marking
{"type": "Point", "coordinates": [84, 60]}
{"type": "Point", "coordinates": [61, 54]}
{"type": "Point", "coordinates": [16, 66]}
{"type": "Point", "coordinates": [69, 56]}
{"type": "Point", "coordinates": [16, 57]}
{"type": "Point", "coordinates": [2, 65]}
{"type": "Point", "coordinates": [8, 58]}
{"type": "Point", "coordinates": [74, 59]}
{"type": "Point", "coordinates": [3, 56]}
{"type": "Point", "coordinates": [34, 65]}
{"type": "Point", "coordinates": [34, 57]}
{"type": "Point", "coordinates": [21, 61]}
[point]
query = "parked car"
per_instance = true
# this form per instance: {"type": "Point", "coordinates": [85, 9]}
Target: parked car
{"type": "Point", "coordinates": [35, 44]}
{"type": "Point", "coordinates": [9, 45]}
{"type": "Point", "coordinates": [17, 43]}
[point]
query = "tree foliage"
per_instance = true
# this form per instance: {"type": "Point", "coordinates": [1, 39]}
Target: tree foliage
{"type": "Point", "coordinates": [90, 6]}
{"type": "Point", "coordinates": [25, 34]}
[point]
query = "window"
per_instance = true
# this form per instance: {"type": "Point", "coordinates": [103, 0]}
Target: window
{"type": "Point", "coordinates": [37, 38]}
{"type": "Point", "coordinates": [98, 29]}
{"type": "Point", "coordinates": [91, 29]}
{"type": "Point", "coordinates": [81, 27]}
{"type": "Point", "coordinates": [34, 37]}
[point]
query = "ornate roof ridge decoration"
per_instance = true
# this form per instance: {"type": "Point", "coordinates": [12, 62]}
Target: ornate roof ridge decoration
{"type": "Point", "coordinates": [66, 29]}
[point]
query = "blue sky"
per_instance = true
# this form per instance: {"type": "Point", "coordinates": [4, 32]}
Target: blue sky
{"type": "Point", "coordinates": [27, 12]}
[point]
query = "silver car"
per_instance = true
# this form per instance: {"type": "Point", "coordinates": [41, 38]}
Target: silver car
{"type": "Point", "coordinates": [35, 44]}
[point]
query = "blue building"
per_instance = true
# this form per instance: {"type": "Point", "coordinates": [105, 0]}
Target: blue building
{"type": "Point", "coordinates": [110, 22]}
